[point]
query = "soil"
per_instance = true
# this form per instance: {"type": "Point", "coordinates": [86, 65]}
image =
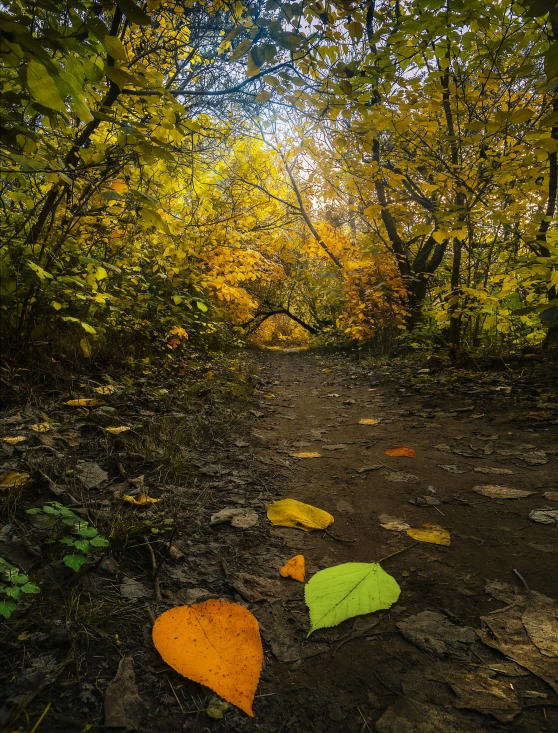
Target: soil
{"type": "Point", "coordinates": [364, 674]}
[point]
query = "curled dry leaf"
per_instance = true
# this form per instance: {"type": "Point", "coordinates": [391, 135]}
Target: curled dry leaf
{"type": "Point", "coordinates": [431, 533]}
{"type": "Point", "coordinates": [14, 440]}
{"type": "Point", "coordinates": [293, 513]}
{"type": "Point", "coordinates": [401, 452]}
{"type": "Point", "coordinates": [216, 643]}
{"type": "Point", "coordinates": [343, 591]}
{"type": "Point", "coordinates": [393, 523]}
{"type": "Point", "coordinates": [140, 500]}
{"type": "Point", "coordinates": [105, 389]}
{"type": "Point", "coordinates": [41, 427]}
{"type": "Point", "coordinates": [116, 430]}
{"type": "Point", "coordinates": [295, 568]}
{"type": "Point", "coordinates": [306, 454]}
{"type": "Point", "coordinates": [500, 492]}
{"type": "Point", "coordinates": [85, 402]}
{"type": "Point", "coordinates": [13, 480]}
{"type": "Point", "coordinates": [494, 471]}
{"type": "Point", "coordinates": [370, 421]}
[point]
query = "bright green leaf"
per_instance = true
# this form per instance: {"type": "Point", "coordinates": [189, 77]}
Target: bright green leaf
{"type": "Point", "coordinates": [352, 589]}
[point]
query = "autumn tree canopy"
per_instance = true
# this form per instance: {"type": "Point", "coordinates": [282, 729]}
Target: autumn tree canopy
{"type": "Point", "coordinates": [188, 170]}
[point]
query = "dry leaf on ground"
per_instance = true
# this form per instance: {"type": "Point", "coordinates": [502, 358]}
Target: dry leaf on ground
{"type": "Point", "coordinates": [370, 421]}
{"type": "Point", "coordinates": [306, 454]}
{"type": "Point", "coordinates": [13, 480]}
{"type": "Point", "coordinates": [295, 568]}
{"type": "Point", "coordinates": [140, 500]}
{"type": "Point", "coordinates": [85, 402]}
{"type": "Point", "coordinates": [293, 513]}
{"type": "Point", "coordinates": [241, 518]}
{"type": "Point", "coordinates": [551, 495]}
{"type": "Point", "coordinates": [41, 427]}
{"type": "Point", "coordinates": [544, 516]}
{"type": "Point", "coordinates": [431, 533]}
{"type": "Point", "coordinates": [372, 467]}
{"type": "Point", "coordinates": [494, 471]}
{"type": "Point", "coordinates": [105, 389]}
{"type": "Point", "coordinates": [393, 523]}
{"type": "Point", "coordinates": [500, 492]}
{"type": "Point", "coordinates": [216, 643]}
{"type": "Point", "coordinates": [401, 452]}
{"type": "Point", "coordinates": [14, 440]}
{"type": "Point", "coordinates": [452, 468]}
{"type": "Point", "coordinates": [116, 430]}
{"type": "Point", "coordinates": [402, 477]}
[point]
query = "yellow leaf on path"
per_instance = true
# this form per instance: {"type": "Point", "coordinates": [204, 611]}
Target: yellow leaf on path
{"type": "Point", "coordinates": [216, 643]}
{"type": "Point", "coordinates": [41, 427]}
{"type": "Point", "coordinates": [140, 500]}
{"type": "Point", "coordinates": [85, 402]}
{"type": "Point", "coordinates": [370, 421]}
{"type": "Point", "coordinates": [294, 568]}
{"type": "Point", "coordinates": [85, 347]}
{"type": "Point", "coordinates": [306, 454]}
{"type": "Point", "coordinates": [430, 533]}
{"type": "Point", "coordinates": [117, 430]}
{"type": "Point", "coordinates": [293, 513]}
{"type": "Point", "coordinates": [105, 389]}
{"type": "Point", "coordinates": [401, 452]}
{"type": "Point", "coordinates": [13, 479]}
{"type": "Point", "coordinates": [14, 440]}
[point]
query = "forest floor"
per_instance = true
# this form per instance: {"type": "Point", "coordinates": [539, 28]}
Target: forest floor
{"type": "Point", "coordinates": [471, 644]}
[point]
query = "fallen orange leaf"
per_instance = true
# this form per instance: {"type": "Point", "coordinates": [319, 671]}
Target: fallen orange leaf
{"type": "Point", "coordinates": [401, 452]}
{"type": "Point", "coordinates": [140, 499]}
{"type": "Point", "coordinates": [294, 568]}
{"type": "Point", "coordinates": [215, 643]}
{"type": "Point", "coordinates": [85, 402]}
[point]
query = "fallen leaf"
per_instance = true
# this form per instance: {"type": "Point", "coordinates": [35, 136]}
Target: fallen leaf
{"type": "Point", "coordinates": [370, 421]}
{"type": "Point", "coordinates": [436, 634]}
{"type": "Point", "coordinates": [551, 495]}
{"type": "Point", "coordinates": [242, 518]}
{"type": "Point", "coordinates": [91, 475]}
{"type": "Point", "coordinates": [544, 516]}
{"type": "Point", "coordinates": [372, 467]}
{"type": "Point", "coordinates": [393, 524]}
{"type": "Point", "coordinates": [117, 430]}
{"type": "Point", "coordinates": [494, 471]}
{"type": "Point", "coordinates": [430, 533]}
{"type": "Point", "coordinates": [541, 623]}
{"type": "Point", "coordinates": [401, 476]}
{"type": "Point", "coordinates": [14, 440]}
{"type": "Point", "coordinates": [294, 568]}
{"type": "Point", "coordinates": [105, 389]}
{"type": "Point", "coordinates": [124, 708]}
{"type": "Point", "coordinates": [334, 446]}
{"type": "Point", "coordinates": [535, 458]}
{"type": "Point", "coordinates": [306, 454]}
{"type": "Point", "coordinates": [500, 492]}
{"type": "Point", "coordinates": [343, 591]}
{"type": "Point", "coordinates": [452, 468]}
{"type": "Point", "coordinates": [401, 452]}
{"type": "Point", "coordinates": [132, 589]}
{"type": "Point", "coordinates": [85, 402]}
{"type": "Point", "coordinates": [140, 500]}
{"type": "Point", "coordinates": [293, 513]}
{"type": "Point", "coordinates": [13, 480]}
{"type": "Point", "coordinates": [216, 643]}
{"type": "Point", "coordinates": [41, 427]}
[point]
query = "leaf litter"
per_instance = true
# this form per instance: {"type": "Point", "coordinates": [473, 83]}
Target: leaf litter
{"type": "Point", "coordinates": [493, 491]}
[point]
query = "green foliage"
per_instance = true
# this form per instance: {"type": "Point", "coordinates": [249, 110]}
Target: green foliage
{"type": "Point", "coordinates": [87, 540]}
{"type": "Point", "coordinates": [13, 585]}
{"type": "Point", "coordinates": [343, 591]}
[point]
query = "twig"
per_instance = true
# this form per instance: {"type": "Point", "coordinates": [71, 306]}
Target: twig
{"type": "Point", "coordinates": [398, 552]}
{"type": "Point", "coordinates": [350, 637]}
{"type": "Point", "coordinates": [150, 614]}
{"type": "Point", "coordinates": [339, 539]}
{"type": "Point", "coordinates": [158, 596]}
{"type": "Point", "coordinates": [501, 610]}
{"type": "Point", "coordinates": [364, 720]}
{"type": "Point", "coordinates": [175, 695]}
{"type": "Point", "coordinates": [38, 723]}
{"type": "Point", "coordinates": [522, 579]}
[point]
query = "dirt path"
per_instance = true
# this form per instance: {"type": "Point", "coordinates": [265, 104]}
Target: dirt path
{"type": "Point", "coordinates": [344, 679]}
